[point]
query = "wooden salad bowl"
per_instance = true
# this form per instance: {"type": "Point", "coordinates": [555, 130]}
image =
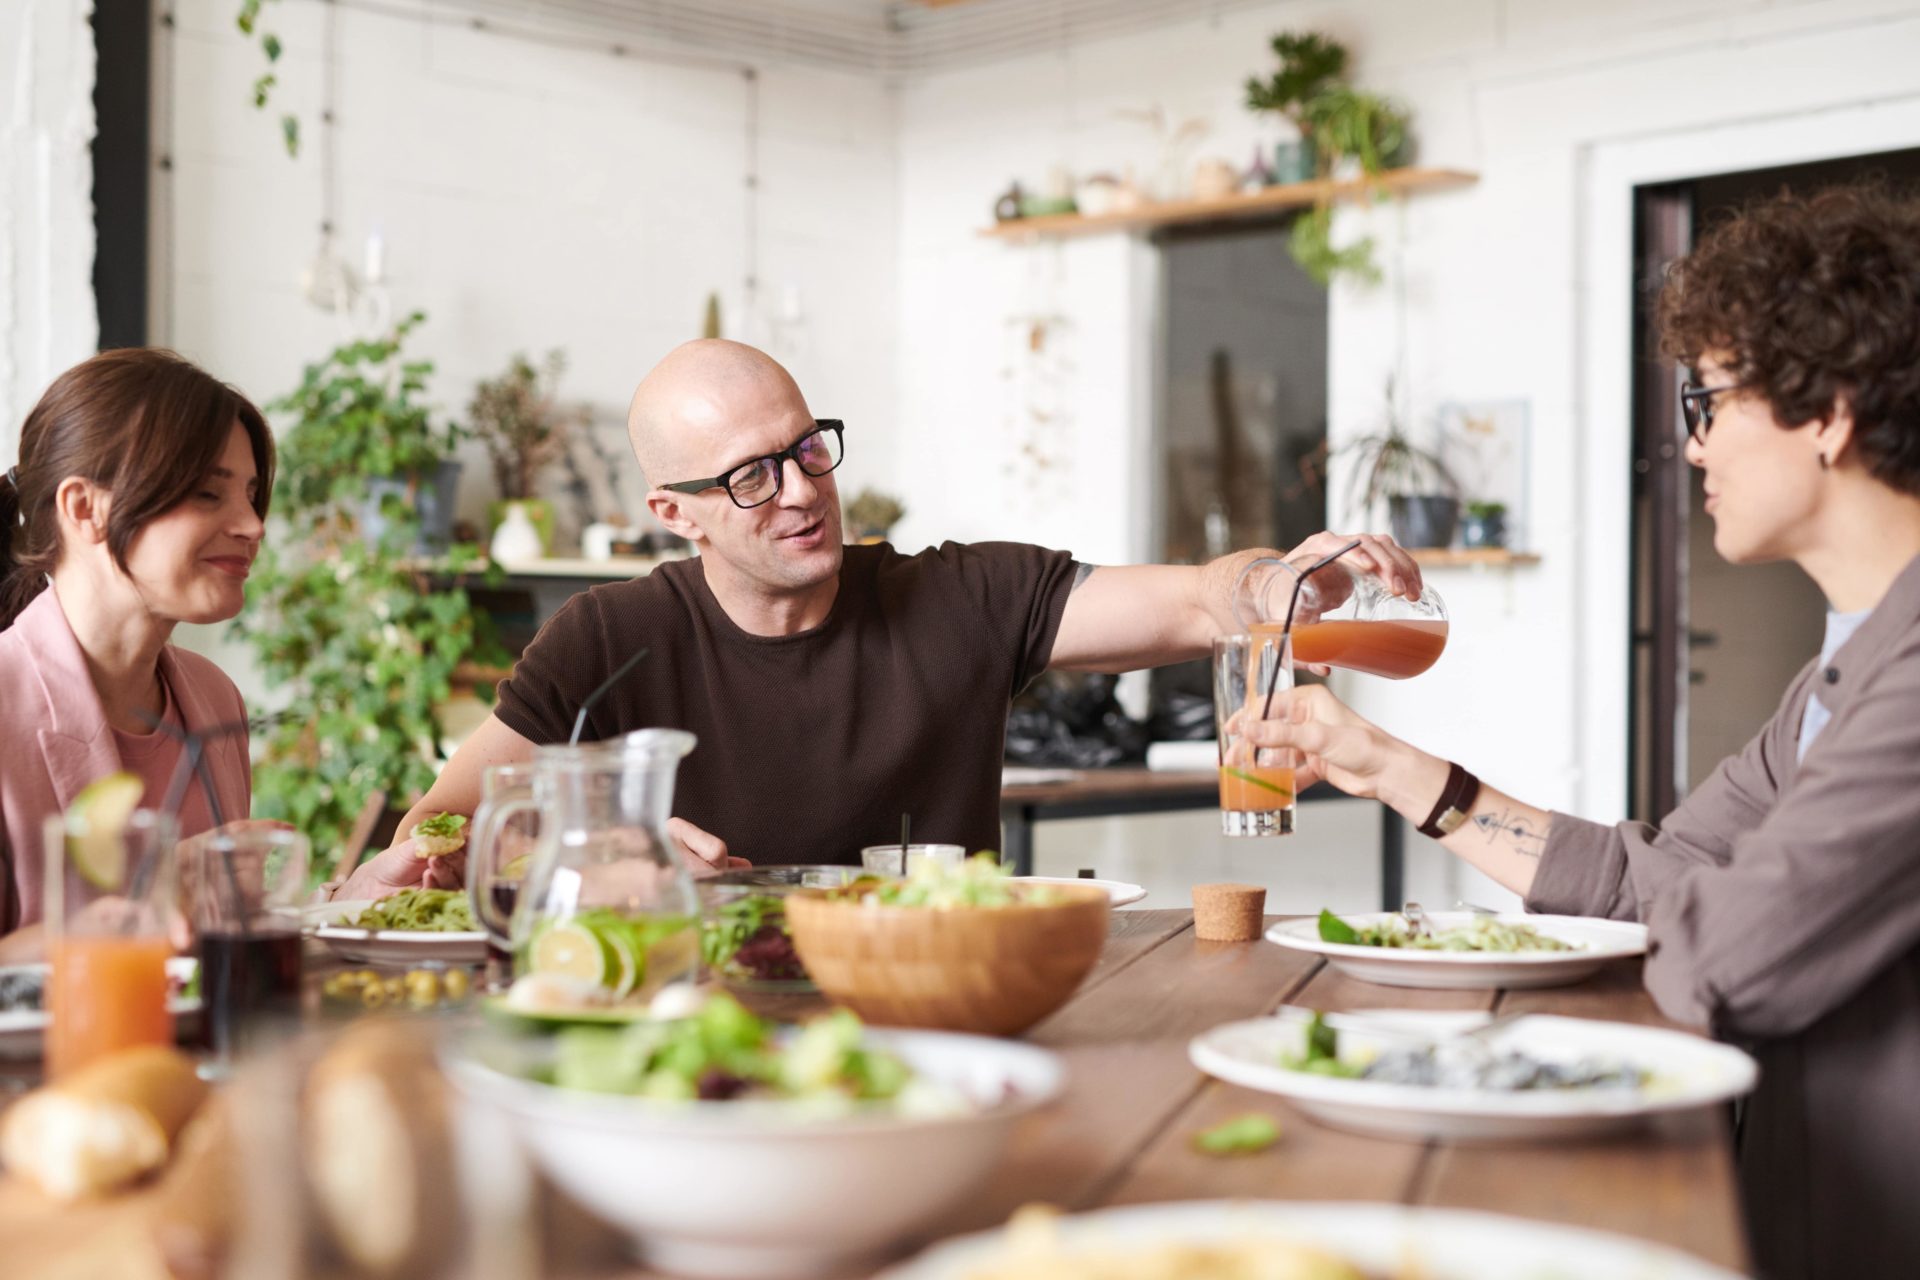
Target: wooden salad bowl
{"type": "Point", "coordinates": [989, 970]}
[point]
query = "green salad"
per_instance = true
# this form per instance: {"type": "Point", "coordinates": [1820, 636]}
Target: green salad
{"type": "Point", "coordinates": [980, 881]}
{"type": "Point", "coordinates": [420, 911]}
{"type": "Point", "coordinates": [1482, 933]}
{"type": "Point", "coordinates": [723, 1053]}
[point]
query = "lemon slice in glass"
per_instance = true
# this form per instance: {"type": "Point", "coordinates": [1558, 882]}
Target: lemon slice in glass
{"type": "Point", "coordinates": [572, 950]}
{"type": "Point", "coordinates": [96, 828]}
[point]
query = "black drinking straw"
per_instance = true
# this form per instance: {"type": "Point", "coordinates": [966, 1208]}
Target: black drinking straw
{"type": "Point", "coordinates": [905, 821]}
{"type": "Point", "coordinates": [193, 764]}
{"type": "Point", "coordinates": [580, 720]}
{"type": "Point", "coordinates": [1286, 628]}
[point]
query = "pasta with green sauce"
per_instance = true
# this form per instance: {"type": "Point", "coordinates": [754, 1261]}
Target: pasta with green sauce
{"type": "Point", "coordinates": [420, 910]}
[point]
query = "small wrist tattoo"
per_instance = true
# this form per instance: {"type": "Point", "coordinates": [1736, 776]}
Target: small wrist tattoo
{"type": "Point", "coordinates": [1512, 830]}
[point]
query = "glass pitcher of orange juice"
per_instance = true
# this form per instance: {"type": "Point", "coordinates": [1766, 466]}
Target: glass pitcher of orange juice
{"type": "Point", "coordinates": [1346, 616]}
{"type": "Point", "coordinates": [110, 910]}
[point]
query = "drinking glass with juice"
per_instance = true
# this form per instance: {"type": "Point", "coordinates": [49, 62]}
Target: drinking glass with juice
{"type": "Point", "coordinates": [245, 885]}
{"type": "Point", "coordinates": [1252, 679]}
{"type": "Point", "coordinates": [110, 882]}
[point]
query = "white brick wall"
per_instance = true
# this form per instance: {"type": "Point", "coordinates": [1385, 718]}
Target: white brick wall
{"type": "Point", "coordinates": [530, 196]}
{"type": "Point", "coordinates": [47, 316]}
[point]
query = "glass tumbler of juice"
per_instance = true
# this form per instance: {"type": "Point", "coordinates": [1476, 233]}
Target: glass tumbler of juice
{"type": "Point", "coordinates": [110, 883]}
{"type": "Point", "coordinates": [1253, 679]}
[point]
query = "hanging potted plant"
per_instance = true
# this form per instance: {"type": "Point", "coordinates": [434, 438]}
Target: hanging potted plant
{"type": "Point", "coordinates": [524, 429]}
{"type": "Point", "coordinates": [1421, 494]}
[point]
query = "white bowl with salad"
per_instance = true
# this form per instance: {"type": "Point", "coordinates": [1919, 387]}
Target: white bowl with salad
{"type": "Point", "coordinates": [725, 1145]}
{"type": "Point", "coordinates": [1463, 950]}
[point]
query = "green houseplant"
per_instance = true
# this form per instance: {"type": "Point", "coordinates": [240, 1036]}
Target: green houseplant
{"type": "Point", "coordinates": [1421, 494]}
{"type": "Point", "coordinates": [1484, 525]}
{"type": "Point", "coordinates": [871, 513]}
{"type": "Point", "coordinates": [524, 428]}
{"type": "Point", "coordinates": [1343, 126]}
{"type": "Point", "coordinates": [1310, 63]}
{"type": "Point", "coordinates": [351, 629]}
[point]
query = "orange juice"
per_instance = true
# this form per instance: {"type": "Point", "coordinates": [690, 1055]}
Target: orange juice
{"type": "Point", "coordinates": [1394, 649]}
{"type": "Point", "coordinates": [1255, 788]}
{"type": "Point", "coordinates": [105, 994]}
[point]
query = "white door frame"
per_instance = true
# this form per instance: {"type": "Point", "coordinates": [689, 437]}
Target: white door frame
{"type": "Point", "coordinates": [1608, 173]}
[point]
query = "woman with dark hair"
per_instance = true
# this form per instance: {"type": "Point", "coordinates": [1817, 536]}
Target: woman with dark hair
{"type": "Point", "coordinates": [138, 503]}
{"type": "Point", "coordinates": [1783, 895]}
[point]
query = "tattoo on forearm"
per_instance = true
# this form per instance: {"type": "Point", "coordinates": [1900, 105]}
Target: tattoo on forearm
{"type": "Point", "coordinates": [1081, 572]}
{"type": "Point", "coordinates": [1515, 830]}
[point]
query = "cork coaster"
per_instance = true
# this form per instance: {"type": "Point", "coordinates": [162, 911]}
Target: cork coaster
{"type": "Point", "coordinates": [1228, 912]}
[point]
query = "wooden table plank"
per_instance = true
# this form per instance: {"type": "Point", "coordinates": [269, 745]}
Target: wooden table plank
{"type": "Point", "coordinates": [1125, 1046]}
{"type": "Point", "coordinates": [1130, 935]}
{"type": "Point", "coordinates": [1673, 1182]}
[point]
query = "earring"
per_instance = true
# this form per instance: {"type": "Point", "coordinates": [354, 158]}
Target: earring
{"type": "Point", "coordinates": [1825, 462]}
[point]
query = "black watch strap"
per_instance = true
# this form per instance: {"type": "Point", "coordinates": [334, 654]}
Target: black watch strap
{"type": "Point", "coordinates": [1456, 800]}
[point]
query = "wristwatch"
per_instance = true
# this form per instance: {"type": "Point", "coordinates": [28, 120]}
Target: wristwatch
{"type": "Point", "coordinates": [1456, 801]}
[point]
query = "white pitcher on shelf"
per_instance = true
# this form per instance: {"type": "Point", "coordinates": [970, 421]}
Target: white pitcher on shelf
{"type": "Point", "coordinates": [517, 538]}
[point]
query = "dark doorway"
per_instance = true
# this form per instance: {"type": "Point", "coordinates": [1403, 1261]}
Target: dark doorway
{"type": "Point", "coordinates": [1242, 415]}
{"type": "Point", "coordinates": [122, 164]}
{"type": "Point", "coordinates": [1714, 644]}
{"type": "Point", "coordinates": [1241, 419]}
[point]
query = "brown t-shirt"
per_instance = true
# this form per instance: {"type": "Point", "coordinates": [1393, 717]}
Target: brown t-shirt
{"type": "Point", "coordinates": [811, 746]}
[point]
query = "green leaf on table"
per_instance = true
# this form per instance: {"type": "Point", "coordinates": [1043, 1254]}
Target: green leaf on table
{"type": "Point", "coordinates": [1334, 929]}
{"type": "Point", "coordinates": [1241, 1136]}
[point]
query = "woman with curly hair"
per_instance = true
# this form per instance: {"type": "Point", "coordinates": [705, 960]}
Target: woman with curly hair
{"type": "Point", "coordinates": [1783, 895]}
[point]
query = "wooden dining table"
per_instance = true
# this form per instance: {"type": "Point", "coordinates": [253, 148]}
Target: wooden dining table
{"type": "Point", "coordinates": [1122, 1131]}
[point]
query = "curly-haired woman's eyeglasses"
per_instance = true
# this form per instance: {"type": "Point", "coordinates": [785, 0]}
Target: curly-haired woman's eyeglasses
{"type": "Point", "coordinates": [1696, 407]}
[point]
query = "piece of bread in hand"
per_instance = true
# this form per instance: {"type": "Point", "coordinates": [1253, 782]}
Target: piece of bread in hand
{"type": "Point", "coordinates": [440, 835]}
{"type": "Point", "coordinates": [106, 1125]}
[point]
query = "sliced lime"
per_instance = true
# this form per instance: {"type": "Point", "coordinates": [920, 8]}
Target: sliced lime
{"type": "Point", "coordinates": [1255, 780]}
{"type": "Point", "coordinates": [96, 828]}
{"type": "Point", "coordinates": [571, 950]}
{"type": "Point", "coordinates": [630, 958]}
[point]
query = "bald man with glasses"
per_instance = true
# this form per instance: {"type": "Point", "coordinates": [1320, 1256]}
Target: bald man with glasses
{"type": "Point", "coordinates": [831, 688]}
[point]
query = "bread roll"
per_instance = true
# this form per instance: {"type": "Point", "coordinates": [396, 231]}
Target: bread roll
{"type": "Point", "coordinates": [106, 1125]}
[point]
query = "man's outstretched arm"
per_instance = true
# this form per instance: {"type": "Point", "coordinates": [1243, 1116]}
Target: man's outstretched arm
{"type": "Point", "coordinates": [1122, 618]}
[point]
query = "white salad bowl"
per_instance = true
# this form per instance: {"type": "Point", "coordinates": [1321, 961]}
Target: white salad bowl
{"type": "Point", "coordinates": [760, 1190]}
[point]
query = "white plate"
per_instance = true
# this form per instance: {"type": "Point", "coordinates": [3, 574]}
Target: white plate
{"type": "Point", "coordinates": [1437, 1244]}
{"type": "Point", "coordinates": [1122, 893]}
{"type": "Point", "coordinates": [1600, 941]}
{"type": "Point", "coordinates": [1688, 1070]}
{"type": "Point", "coordinates": [390, 946]}
{"type": "Point", "coordinates": [21, 1030]}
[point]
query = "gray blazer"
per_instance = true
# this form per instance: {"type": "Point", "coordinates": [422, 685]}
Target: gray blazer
{"type": "Point", "coordinates": [1783, 904]}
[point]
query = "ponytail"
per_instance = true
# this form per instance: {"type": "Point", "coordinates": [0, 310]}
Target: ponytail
{"type": "Point", "coordinates": [19, 584]}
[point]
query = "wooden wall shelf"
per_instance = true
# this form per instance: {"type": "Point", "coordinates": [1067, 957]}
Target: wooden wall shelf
{"type": "Point", "coordinates": [1482, 557]}
{"type": "Point", "coordinates": [1272, 202]}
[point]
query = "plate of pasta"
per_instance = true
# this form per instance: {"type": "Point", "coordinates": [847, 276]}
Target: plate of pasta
{"type": "Point", "coordinates": [407, 928]}
{"type": "Point", "coordinates": [1273, 1240]}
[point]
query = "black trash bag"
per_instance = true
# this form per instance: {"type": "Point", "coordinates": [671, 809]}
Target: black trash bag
{"type": "Point", "coordinates": [1069, 720]}
{"type": "Point", "coordinates": [1180, 702]}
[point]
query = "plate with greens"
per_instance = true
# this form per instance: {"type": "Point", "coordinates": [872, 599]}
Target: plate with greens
{"type": "Point", "coordinates": [1463, 950]}
{"type": "Point", "coordinates": [407, 928]}
{"type": "Point", "coordinates": [1466, 1077]}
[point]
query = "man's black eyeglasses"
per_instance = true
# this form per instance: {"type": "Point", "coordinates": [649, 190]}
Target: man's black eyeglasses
{"type": "Point", "coordinates": [759, 480]}
{"type": "Point", "coordinates": [1696, 407]}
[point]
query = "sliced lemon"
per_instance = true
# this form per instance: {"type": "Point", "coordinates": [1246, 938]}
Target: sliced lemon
{"type": "Point", "coordinates": [514, 868]}
{"type": "Point", "coordinates": [573, 951]}
{"type": "Point", "coordinates": [96, 828]}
